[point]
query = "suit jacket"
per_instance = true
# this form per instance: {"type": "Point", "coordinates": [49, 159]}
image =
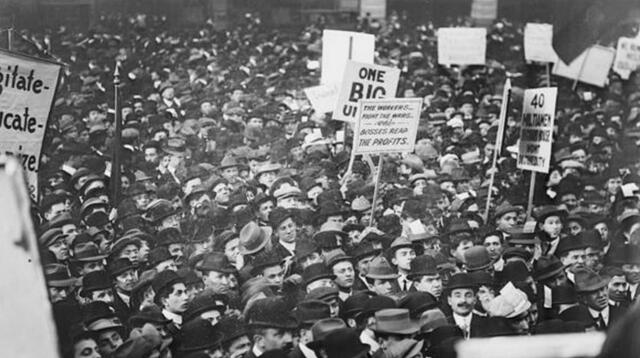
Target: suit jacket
{"type": "Point", "coordinates": [478, 325]}
{"type": "Point", "coordinates": [359, 284]}
{"type": "Point", "coordinates": [122, 310]}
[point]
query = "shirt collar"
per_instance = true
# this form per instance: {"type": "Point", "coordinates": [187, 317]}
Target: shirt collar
{"type": "Point", "coordinates": [176, 318]}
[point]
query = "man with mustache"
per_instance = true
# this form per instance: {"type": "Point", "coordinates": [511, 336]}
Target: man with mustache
{"type": "Point", "coordinates": [593, 293]}
{"type": "Point", "coordinates": [461, 296]}
{"type": "Point", "coordinates": [272, 325]}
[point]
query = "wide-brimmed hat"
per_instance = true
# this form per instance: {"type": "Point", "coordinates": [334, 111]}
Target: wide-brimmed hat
{"type": "Point", "coordinates": [254, 238]}
{"type": "Point", "coordinates": [267, 167]}
{"type": "Point", "coordinates": [122, 243]}
{"type": "Point", "coordinates": [118, 266]}
{"type": "Point", "coordinates": [158, 210]}
{"type": "Point", "coordinates": [233, 327]}
{"type": "Point", "coordinates": [57, 275]}
{"type": "Point", "coordinates": [395, 321]}
{"type": "Point", "coordinates": [379, 268]}
{"type": "Point", "coordinates": [206, 300]}
{"type": "Point", "coordinates": [505, 208]}
{"type": "Point", "coordinates": [570, 243]}
{"type": "Point", "coordinates": [587, 280]}
{"type": "Point", "coordinates": [364, 249]}
{"type": "Point", "coordinates": [50, 236]}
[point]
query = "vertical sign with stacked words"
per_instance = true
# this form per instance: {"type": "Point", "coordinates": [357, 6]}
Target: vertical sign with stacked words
{"type": "Point", "coordinates": [462, 45]}
{"type": "Point", "coordinates": [338, 47]}
{"type": "Point", "coordinates": [387, 125]}
{"type": "Point", "coordinates": [536, 131]}
{"type": "Point", "coordinates": [364, 81]}
{"type": "Point", "coordinates": [27, 87]}
{"type": "Point", "coordinates": [627, 56]}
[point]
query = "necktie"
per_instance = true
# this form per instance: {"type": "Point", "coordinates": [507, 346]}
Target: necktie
{"type": "Point", "coordinates": [601, 323]}
{"type": "Point", "coordinates": [404, 285]}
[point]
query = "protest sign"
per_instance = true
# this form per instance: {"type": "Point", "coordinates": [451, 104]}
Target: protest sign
{"type": "Point", "coordinates": [27, 87]}
{"type": "Point", "coordinates": [26, 311]}
{"type": "Point", "coordinates": [364, 81]}
{"type": "Point", "coordinates": [338, 47]}
{"type": "Point", "coordinates": [387, 125]}
{"type": "Point", "coordinates": [538, 43]}
{"type": "Point", "coordinates": [462, 45]}
{"type": "Point", "coordinates": [322, 97]}
{"type": "Point", "coordinates": [591, 67]}
{"type": "Point", "coordinates": [483, 12]}
{"type": "Point", "coordinates": [536, 130]}
{"type": "Point", "coordinates": [376, 9]}
{"type": "Point", "coordinates": [627, 56]}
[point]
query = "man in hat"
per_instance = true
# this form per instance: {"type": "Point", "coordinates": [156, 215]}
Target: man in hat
{"type": "Point", "coordinates": [571, 252]}
{"type": "Point", "coordinates": [124, 275]}
{"type": "Point", "coordinates": [317, 275]}
{"type": "Point", "coordinates": [272, 325]}
{"type": "Point", "coordinates": [393, 330]}
{"type": "Point", "coordinates": [100, 319]}
{"type": "Point", "coordinates": [402, 254]}
{"type": "Point", "coordinates": [262, 207]}
{"type": "Point", "coordinates": [216, 271]}
{"type": "Point", "coordinates": [268, 265]}
{"type": "Point", "coordinates": [170, 295]}
{"type": "Point", "coordinates": [461, 297]}
{"type": "Point", "coordinates": [342, 267]}
{"type": "Point", "coordinates": [593, 294]}
{"type": "Point", "coordinates": [285, 231]}
{"type": "Point", "coordinates": [54, 241]}
{"type": "Point", "coordinates": [363, 254]}
{"type": "Point", "coordinates": [307, 313]}
{"type": "Point", "coordinates": [381, 277]}
{"type": "Point", "coordinates": [97, 286]}
{"type": "Point", "coordinates": [425, 276]}
{"type": "Point", "coordinates": [506, 217]}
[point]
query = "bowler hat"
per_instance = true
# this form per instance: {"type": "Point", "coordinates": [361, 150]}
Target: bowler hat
{"type": "Point", "coordinates": [233, 328]}
{"type": "Point", "coordinates": [253, 238]}
{"type": "Point", "coordinates": [547, 267]}
{"type": "Point", "coordinates": [168, 236]}
{"type": "Point", "coordinates": [198, 335]}
{"type": "Point", "coordinates": [375, 304]}
{"type": "Point", "coordinates": [122, 243]}
{"type": "Point", "coordinates": [423, 265]}
{"type": "Point", "coordinates": [461, 280]}
{"type": "Point", "coordinates": [57, 275]}
{"type": "Point", "coordinates": [483, 278]}
{"type": "Point", "coordinates": [329, 238]}
{"type": "Point", "coordinates": [95, 280]}
{"type": "Point", "coordinates": [354, 304]}
{"type": "Point", "coordinates": [215, 261]}
{"type": "Point", "coordinates": [477, 258]}
{"type": "Point", "coordinates": [418, 302]}
{"type": "Point", "coordinates": [587, 280]}
{"type": "Point", "coordinates": [379, 268]}
{"type": "Point", "coordinates": [271, 312]}
{"type": "Point", "coordinates": [165, 280]}
{"type": "Point", "coordinates": [570, 243]}
{"type": "Point", "coordinates": [395, 321]}
{"type": "Point", "coordinates": [309, 312]}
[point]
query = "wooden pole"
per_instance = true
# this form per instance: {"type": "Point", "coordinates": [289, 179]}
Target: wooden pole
{"type": "Point", "coordinates": [532, 187]}
{"type": "Point", "coordinates": [117, 141]}
{"type": "Point", "coordinates": [10, 39]}
{"type": "Point", "coordinates": [376, 189]}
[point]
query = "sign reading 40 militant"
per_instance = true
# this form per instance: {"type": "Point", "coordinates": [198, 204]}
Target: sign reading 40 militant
{"type": "Point", "coordinates": [27, 87]}
{"type": "Point", "coordinates": [387, 125]}
{"type": "Point", "coordinates": [536, 133]}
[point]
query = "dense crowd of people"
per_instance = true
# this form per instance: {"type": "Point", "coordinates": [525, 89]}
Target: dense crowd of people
{"type": "Point", "coordinates": [240, 232]}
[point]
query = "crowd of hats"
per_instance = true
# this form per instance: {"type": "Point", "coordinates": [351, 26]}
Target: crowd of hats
{"type": "Point", "coordinates": [235, 188]}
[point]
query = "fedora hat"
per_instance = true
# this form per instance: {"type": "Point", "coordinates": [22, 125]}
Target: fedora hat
{"type": "Point", "coordinates": [423, 265]}
{"type": "Point", "coordinates": [324, 294]}
{"type": "Point", "coordinates": [322, 328]}
{"type": "Point", "coordinates": [399, 243]}
{"type": "Point", "coordinates": [50, 236]}
{"type": "Point", "coordinates": [335, 256]}
{"type": "Point", "coordinates": [215, 261]}
{"type": "Point", "coordinates": [158, 255]}
{"type": "Point", "coordinates": [57, 275]}
{"type": "Point", "coordinates": [395, 321]}
{"type": "Point", "coordinates": [228, 162]}
{"type": "Point", "coordinates": [588, 281]}
{"type": "Point", "coordinates": [122, 243]}
{"type": "Point", "coordinates": [87, 252]}
{"type": "Point", "coordinates": [379, 268]}
{"type": "Point", "coordinates": [309, 312]}
{"type": "Point", "coordinates": [254, 238]}
{"type": "Point", "coordinates": [431, 320]}
{"type": "Point", "coordinates": [547, 267]}
{"type": "Point", "coordinates": [364, 249]}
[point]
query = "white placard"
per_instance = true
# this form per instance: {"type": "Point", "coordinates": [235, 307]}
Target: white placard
{"type": "Point", "coordinates": [27, 87]}
{"type": "Point", "coordinates": [462, 45]}
{"type": "Point", "coordinates": [627, 56]}
{"type": "Point", "coordinates": [538, 43]}
{"type": "Point", "coordinates": [536, 129]}
{"type": "Point", "coordinates": [387, 125]}
{"type": "Point", "coordinates": [340, 46]}
{"type": "Point", "coordinates": [323, 97]}
{"type": "Point", "coordinates": [592, 66]}
{"type": "Point", "coordinates": [364, 81]}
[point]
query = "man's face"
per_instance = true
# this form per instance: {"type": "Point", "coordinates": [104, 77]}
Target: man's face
{"type": "Point", "coordinates": [383, 287]}
{"type": "Point", "coordinates": [617, 288]}
{"type": "Point", "coordinates": [344, 273]}
{"type": "Point", "coordinates": [267, 178]}
{"type": "Point", "coordinates": [363, 265]}
{"type": "Point", "coordinates": [230, 173]}
{"type": "Point", "coordinates": [613, 184]}
{"type": "Point", "coordinates": [141, 200]}
{"type": "Point", "coordinates": [462, 300]}
{"type": "Point", "coordinates": [232, 250]}
{"type": "Point", "coordinates": [177, 300]}
{"type": "Point", "coordinates": [289, 202]}
{"type": "Point", "coordinates": [108, 342]}
{"type": "Point", "coordinates": [552, 226]}
{"type": "Point", "coordinates": [494, 246]}
{"type": "Point", "coordinates": [603, 229]}
{"type": "Point", "coordinates": [338, 219]}
{"type": "Point", "coordinates": [216, 281]}
{"type": "Point", "coordinates": [287, 231]}
{"type": "Point", "coordinates": [102, 295]}
{"type": "Point", "coordinates": [403, 257]}
{"type": "Point", "coordinates": [574, 227]}
{"type": "Point", "coordinates": [264, 209]}
{"type": "Point", "coordinates": [592, 258]}
{"type": "Point", "coordinates": [56, 209]}
{"type": "Point", "coordinates": [459, 250]}
{"type": "Point", "coordinates": [206, 108]}
{"type": "Point", "coordinates": [151, 155]}
{"type": "Point", "coordinates": [222, 193]}
{"type": "Point", "coordinates": [507, 221]}
{"type": "Point", "coordinates": [58, 294]}
{"type": "Point", "coordinates": [274, 275]}
{"type": "Point", "coordinates": [239, 346]}
{"type": "Point", "coordinates": [322, 282]}
{"type": "Point", "coordinates": [126, 280]}
{"type": "Point", "coordinates": [91, 266]}
{"type": "Point", "coordinates": [429, 283]}
{"type": "Point", "coordinates": [143, 252]}
{"type": "Point", "coordinates": [60, 249]}
{"type": "Point", "coordinates": [570, 200]}
{"type": "Point", "coordinates": [573, 260]}
{"type": "Point", "coordinates": [632, 272]}
{"type": "Point", "coordinates": [177, 252]}
{"type": "Point", "coordinates": [277, 339]}
{"type": "Point", "coordinates": [597, 300]}
{"type": "Point", "coordinates": [86, 348]}
{"type": "Point", "coordinates": [130, 252]}
{"type": "Point", "coordinates": [558, 280]}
